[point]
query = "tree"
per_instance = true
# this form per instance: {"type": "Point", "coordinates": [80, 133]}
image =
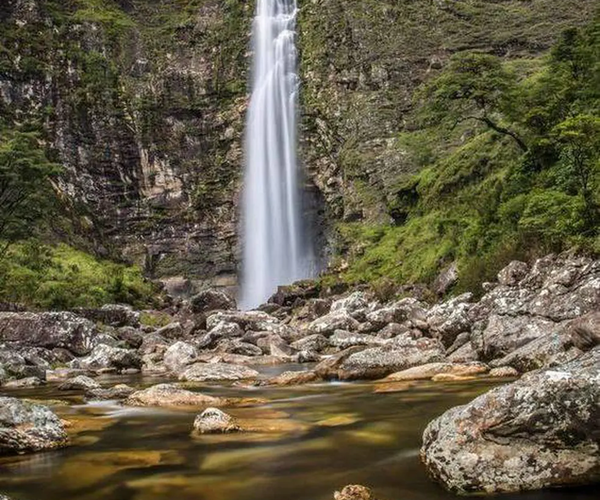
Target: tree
{"type": "Point", "coordinates": [26, 188]}
{"type": "Point", "coordinates": [474, 86]}
{"type": "Point", "coordinates": [579, 144]}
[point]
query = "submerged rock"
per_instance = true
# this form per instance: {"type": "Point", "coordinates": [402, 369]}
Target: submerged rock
{"type": "Point", "coordinates": [27, 427]}
{"type": "Point", "coordinates": [215, 421]}
{"type": "Point", "coordinates": [538, 432]}
{"type": "Point", "coordinates": [120, 391]}
{"type": "Point", "coordinates": [205, 372]}
{"type": "Point", "coordinates": [170, 395]}
{"type": "Point", "coordinates": [354, 492]}
{"type": "Point", "coordinates": [79, 383]}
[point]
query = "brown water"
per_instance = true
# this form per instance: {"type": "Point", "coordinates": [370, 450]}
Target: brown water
{"type": "Point", "coordinates": [334, 434]}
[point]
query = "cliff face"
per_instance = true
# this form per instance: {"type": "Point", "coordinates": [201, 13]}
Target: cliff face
{"type": "Point", "coordinates": [144, 100]}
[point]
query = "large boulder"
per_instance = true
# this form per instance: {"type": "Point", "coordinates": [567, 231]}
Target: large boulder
{"type": "Point", "coordinates": [179, 355]}
{"type": "Point", "coordinates": [256, 321]}
{"type": "Point", "coordinates": [448, 320]}
{"type": "Point", "coordinates": [212, 372]}
{"type": "Point", "coordinates": [105, 357]}
{"type": "Point", "coordinates": [116, 315]}
{"type": "Point", "coordinates": [314, 342]}
{"type": "Point", "coordinates": [79, 383]}
{"type": "Point", "coordinates": [584, 332]}
{"type": "Point", "coordinates": [50, 330]}
{"type": "Point", "coordinates": [538, 432]}
{"type": "Point", "coordinates": [236, 346]}
{"type": "Point", "coordinates": [430, 370]}
{"type": "Point", "coordinates": [336, 320]}
{"type": "Point", "coordinates": [27, 427]}
{"type": "Point", "coordinates": [211, 300]}
{"type": "Point", "coordinates": [407, 309]}
{"type": "Point", "coordinates": [342, 340]}
{"type": "Point", "coordinates": [398, 354]}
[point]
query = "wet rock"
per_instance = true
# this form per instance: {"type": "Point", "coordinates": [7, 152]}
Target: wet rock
{"type": "Point", "coordinates": [354, 492]}
{"type": "Point", "coordinates": [211, 300]}
{"type": "Point", "coordinates": [448, 320]}
{"type": "Point", "coordinates": [105, 357]}
{"type": "Point", "coordinates": [314, 342]}
{"type": "Point", "coordinates": [584, 332]}
{"type": "Point", "coordinates": [27, 427]}
{"type": "Point", "coordinates": [169, 395]}
{"type": "Point", "coordinates": [399, 354]}
{"type": "Point", "coordinates": [292, 378]}
{"type": "Point", "coordinates": [336, 320]}
{"type": "Point", "coordinates": [24, 383]}
{"type": "Point", "coordinates": [343, 340]}
{"type": "Point", "coordinates": [215, 421]}
{"type": "Point", "coordinates": [208, 372]}
{"type": "Point", "coordinates": [538, 432]}
{"type": "Point", "coordinates": [428, 371]}
{"type": "Point", "coordinates": [503, 372]}
{"type": "Point", "coordinates": [119, 391]}
{"type": "Point", "coordinates": [179, 355]}
{"type": "Point", "coordinates": [79, 383]}
{"type": "Point", "coordinates": [49, 330]}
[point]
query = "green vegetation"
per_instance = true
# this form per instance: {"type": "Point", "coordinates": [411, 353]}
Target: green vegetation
{"type": "Point", "coordinates": [61, 277]}
{"type": "Point", "coordinates": [509, 158]}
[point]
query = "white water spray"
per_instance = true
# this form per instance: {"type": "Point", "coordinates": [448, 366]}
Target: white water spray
{"type": "Point", "coordinates": [275, 247]}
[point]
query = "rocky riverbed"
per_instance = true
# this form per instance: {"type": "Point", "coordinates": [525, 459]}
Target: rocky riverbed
{"type": "Point", "coordinates": [228, 376]}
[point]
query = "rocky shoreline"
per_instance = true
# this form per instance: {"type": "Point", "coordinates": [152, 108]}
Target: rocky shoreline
{"type": "Point", "coordinates": [540, 323]}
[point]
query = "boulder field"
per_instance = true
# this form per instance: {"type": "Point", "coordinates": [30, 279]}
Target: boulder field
{"type": "Point", "coordinates": [540, 322]}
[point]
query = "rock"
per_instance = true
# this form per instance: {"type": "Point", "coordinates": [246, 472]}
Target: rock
{"type": "Point", "coordinates": [451, 377]}
{"type": "Point", "coordinates": [354, 302]}
{"type": "Point", "coordinates": [274, 345]}
{"type": "Point", "coordinates": [354, 492]}
{"type": "Point", "coordinates": [464, 354]}
{"type": "Point", "coordinates": [503, 372]}
{"type": "Point", "coordinates": [179, 355]}
{"type": "Point", "coordinates": [343, 340]}
{"type": "Point", "coordinates": [512, 274]}
{"type": "Point", "coordinates": [399, 354]}
{"type": "Point", "coordinates": [49, 330]}
{"type": "Point", "coordinates": [236, 346]}
{"type": "Point", "coordinates": [408, 309]}
{"type": "Point", "coordinates": [336, 320]}
{"type": "Point", "coordinates": [291, 294]}
{"type": "Point", "coordinates": [256, 321]}
{"type": "Point", "coordinates": [15, 366]}
{"type": "Point", "coordinates": [24, 382]}
{"type": "Point", "coordinates": [27, 427]}
{"type": "Point", "coordinates": [215, 421]}
{"type": "Point", "coordinates": [538, 432]}
{"type": "Point", "coordinates": [173, 331]}
{"type": "Point", "coordinates": [315, 308]}
{"type": "Point", "coordinates": [428, 371]}
{"type": "Point", "coordinates": [392, 330]}
{"type": "Point", "coordinates": [119, 391]}
{"type": "Point", "coordinates": [448, 320]}
{"type": "Point", "coordinates": [544, 352]}
{"type": "Point", "coordinates": [131, 336]}
{"type": "Point", "coordinates": [112, 315]}
{"type": "Point", "coordinates": [226, 330]}
{"type": "Point", "coordinates": [211, 300]}
{"type": "Point", "coordinates": [169, 395]}
{"type": "Point", "coordinates": [105, 339]}
{"type": "Point", "coordinates": [306, 357]}
{"type": "Point", "coordinates": [504, 334]}
{"type": "Point", "coordinates": [79, 383]}
{"type": "Point", "coordinates": [314, 342]}
{"type": "Point", "coordinates": [3, 375]}
{"type": "Point", "coordinates": [584, 332]}
{"type": "Point", "coordinates": [292, 378]}
{"type": "Point", "coordinates": [106, 357]}
{"type": "Point", "coordinates": [446, 279]}
{"type": "Point", "coordinates": [211, 372]}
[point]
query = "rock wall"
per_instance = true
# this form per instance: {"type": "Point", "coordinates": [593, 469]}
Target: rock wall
{"type": "Point", "coordinates": [144, 101]}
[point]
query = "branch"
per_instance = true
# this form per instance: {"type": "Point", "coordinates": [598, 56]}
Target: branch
{"type": "Point", "coordinates": [496, 128]}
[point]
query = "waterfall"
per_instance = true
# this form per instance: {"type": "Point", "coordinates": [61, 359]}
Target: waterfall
{"type": "Point", "coordinates": [276, 251]}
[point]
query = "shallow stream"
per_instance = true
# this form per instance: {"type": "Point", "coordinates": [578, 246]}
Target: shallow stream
{"type": "Point", "coordinates": [330, 435]}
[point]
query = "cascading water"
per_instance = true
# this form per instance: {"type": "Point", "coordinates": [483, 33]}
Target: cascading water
{"type": "Point", "coordinates": [275, 247]}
